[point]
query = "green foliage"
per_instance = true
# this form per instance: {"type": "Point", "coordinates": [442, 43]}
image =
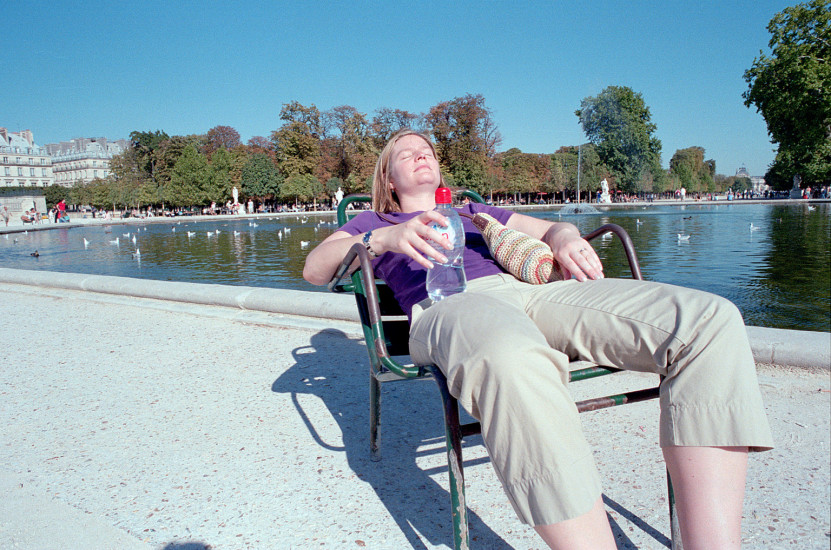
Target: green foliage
{"type": "Point", "coordinates": [221, 181]}
{"type": "Point", "coordinates": [260, 178]}
{"type": "Point", "coordinates": [301, 187]}
{"type": "Point", "coordinates": [618, 122]}
{"type": "Point", "coordinates": [691, 171]}
{"type": "Point", "coordinates": [354, 147]}
{"type": "Point", "coordinates": [465, 137]}
{"type": "Point", "coordinates": [563, 172]}
{"type": "Point", "coordinates": [54, 193]}
{"type": "Point", "coordinates": [297, 142]}
{"type": "Point", "coordinates": [791, 89]}
{"type": "Point", "coordinates": [188, 179]}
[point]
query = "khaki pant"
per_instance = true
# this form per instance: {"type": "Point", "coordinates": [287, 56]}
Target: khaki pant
{"type": "Point", "coordinates": [505, 346]}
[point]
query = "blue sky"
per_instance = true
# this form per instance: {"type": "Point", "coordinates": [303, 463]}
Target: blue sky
{"type": "Point", "coordinates": [89, 69]}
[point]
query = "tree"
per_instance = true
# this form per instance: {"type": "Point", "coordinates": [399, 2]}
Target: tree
{"type": "Point", "coordinates": [221, 181]}
{"type": "Point", "coordinates": [618, 122]}
{"type": "Point", "coordinates": [565, 169]}
{"type": "Point", "coordinates": [792, 91]}
{"type": "Point", "coordinates": [54, 193]}
{"type": "Point", "coordinates": [260, 178]}
{"type": "Point", "coordinates": [297, 142]}
{"type": "Point", "coordinates": [188, 179]}
{"type": "Point", "coordinates": [387, 122]}
{"type": "Point", "coordinates": [145, 145]}
{"type": "Point", "coordinates": [220, 137]}
{"type": "Point", "coordinates": [354, 149]}
{"type": "Point", "coordinates": [127, 176]}
{"type": "Point", "coordinates": [691, 170]}
{"type": "Point", "coordinates": [466, 138]}
{"type": "Point", "coordinates": [301, 187]}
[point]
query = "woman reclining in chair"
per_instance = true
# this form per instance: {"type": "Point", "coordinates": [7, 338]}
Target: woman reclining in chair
{"type": "Point", "coordinates": [505, 346]}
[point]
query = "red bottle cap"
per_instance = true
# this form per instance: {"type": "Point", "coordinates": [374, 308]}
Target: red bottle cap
{"type": "Point", "coordinates": [443, 195]}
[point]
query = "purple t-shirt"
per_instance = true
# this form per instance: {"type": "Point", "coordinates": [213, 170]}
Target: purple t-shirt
{"type": "Point", "coordinates": [404, 276]}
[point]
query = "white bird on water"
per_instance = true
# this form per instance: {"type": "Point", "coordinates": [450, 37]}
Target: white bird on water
{"type": "Point", "coordinates": [217, 232]}
{"type": "Point", "coordinates": [86, 242]}
{"type": "Point", "coordinates": [134, 239]}
{"type": "Point", "coordinates": [753, 227]}
{"type": "Point", "coordinates": [191, 233]}
{"type": "Point", "coordinates": [683, 237]}
{"type": "Point", "coordinates": [811, 208]}
{"type": "Point", "coordinates": [115, 242]}
{"type": "Point", "coordinates": [137, 255]}
{"type": "Point", "coordinates": [638, 221]}
{"type": "Point", "coordinates": [210, 233]}
{"type": "Point", "coordinates": [304, 244]}
{"type": "Point", "coordinates": [236, 233]}
{"type": "Point", "coordinates": [126, 235]}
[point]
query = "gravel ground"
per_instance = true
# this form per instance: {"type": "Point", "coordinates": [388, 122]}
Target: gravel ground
{"type": "Point", "coordinates": [135, 423]}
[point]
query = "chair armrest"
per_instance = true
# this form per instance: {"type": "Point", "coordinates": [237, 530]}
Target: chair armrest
{"type": "Point", "coordinates": [625, 240]}
{"type": "Point", "coordinates": [370, 310]}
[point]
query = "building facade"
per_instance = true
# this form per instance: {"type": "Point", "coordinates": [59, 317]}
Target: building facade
{"type": "Point", "coordinates": [758, 183]}
{"type": "Point", "coordinates": [82, 160]}
{"type": "Point", "coordinates": [22, 162]}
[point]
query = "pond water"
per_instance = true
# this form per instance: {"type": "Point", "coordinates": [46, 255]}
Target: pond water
{"type": "Point", "coordinates": [778, 273]}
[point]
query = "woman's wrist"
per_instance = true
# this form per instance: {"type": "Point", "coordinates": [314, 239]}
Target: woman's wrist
{"type": "Point", "coordinates": [367, 241]}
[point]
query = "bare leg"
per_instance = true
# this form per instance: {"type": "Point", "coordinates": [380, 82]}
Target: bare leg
{"type": "Point", "coordinates": [591, 531]}
{"type": "Point", "coordinates": [709, 485]}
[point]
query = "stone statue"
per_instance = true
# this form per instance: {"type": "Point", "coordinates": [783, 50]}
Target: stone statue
{"type": "Point", "coordinates": [796, 192]}
{"type": "Point", "coordinates": [604, 192]}
{"type": "Point", "coordinates": [338, 196]}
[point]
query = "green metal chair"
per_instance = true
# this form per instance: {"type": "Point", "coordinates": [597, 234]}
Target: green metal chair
{"type": "Point", "coordinates": [386, 331]}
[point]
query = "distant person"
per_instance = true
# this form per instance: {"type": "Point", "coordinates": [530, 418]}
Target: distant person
{"type": "Point", "coordinates": [61, 210]}
{"type": "Point", "coordinates": [6, 214]}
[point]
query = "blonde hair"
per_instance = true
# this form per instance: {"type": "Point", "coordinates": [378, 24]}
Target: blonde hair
{"type": "Point", "coordinates": [384, 198]}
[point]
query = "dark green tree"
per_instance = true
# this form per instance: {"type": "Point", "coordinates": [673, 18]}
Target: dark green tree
{"type": "Point", "coordinates": [260, 178]}
{"type": "Point", "coordinates": [54, 193]}
{"type": "Point", "coordinates": [188, 179]}
{"type": "Point", "coordinates": [221, 181]}
{"type": "Point", "coordinates": [618, 122]}
{"type": "Point", "coordinates": [792, 90]}
{"type": "Point", "coordinates": [145, 145]}
{"type": "Point", "coordinates": [691, 170]}
{"type": "Point", "coordinates": [303, 187]}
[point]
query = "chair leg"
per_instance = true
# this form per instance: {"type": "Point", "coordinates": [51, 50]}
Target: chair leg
{"type": "Point", "coordinates": [674, 526]}
{"type": "Point", "coordinates": [453, 436]}
{"type": "Point", "coordinates": [374, 418]}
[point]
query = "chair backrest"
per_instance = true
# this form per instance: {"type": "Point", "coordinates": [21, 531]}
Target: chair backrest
{"type": "Point", "coordinates": [385, 325]}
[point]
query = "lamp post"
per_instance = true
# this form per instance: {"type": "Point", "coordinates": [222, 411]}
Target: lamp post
{"type": "Point", "coordinates": [579, 163]}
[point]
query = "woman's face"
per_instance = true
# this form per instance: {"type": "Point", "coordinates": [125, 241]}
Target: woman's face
{"type": "Point", "coordinates": [413, 165]}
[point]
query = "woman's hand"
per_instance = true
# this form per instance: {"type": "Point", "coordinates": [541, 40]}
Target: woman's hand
{"type": "Point", "coordinates": [575, 255]}
{"type": "Point", "coordinates": [411, 238]}
{"type": "Point", "coordinates": [407, 238]}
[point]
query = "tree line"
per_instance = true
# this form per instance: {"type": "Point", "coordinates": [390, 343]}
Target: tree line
{"type": "Point", "coordinates": [313, 153]}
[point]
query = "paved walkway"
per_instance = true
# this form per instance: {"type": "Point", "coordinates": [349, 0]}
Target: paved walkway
{"type": "Point", "coordinates": [152, 424]}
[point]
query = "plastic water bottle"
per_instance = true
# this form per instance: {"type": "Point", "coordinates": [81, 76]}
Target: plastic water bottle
{"type": "Point", "coordinates": [448, 278]}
